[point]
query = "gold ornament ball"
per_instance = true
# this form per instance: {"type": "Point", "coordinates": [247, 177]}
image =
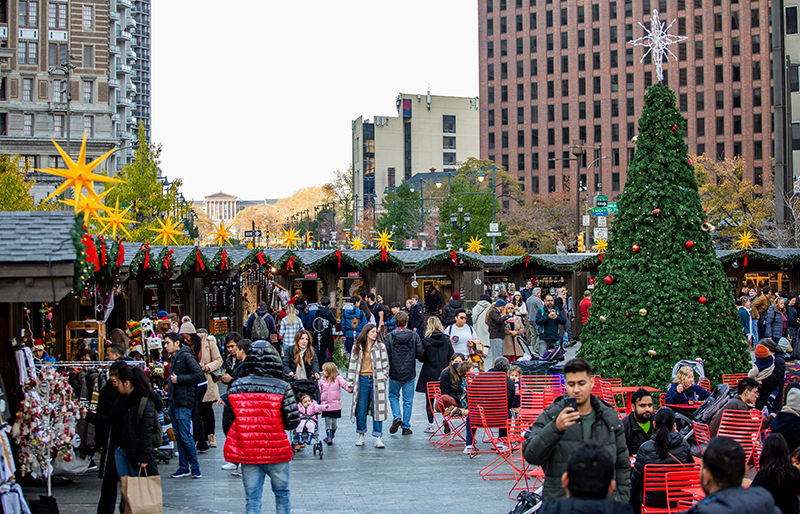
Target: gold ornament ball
{"type": "Point", "coordinates": [642, 312]}
{"type": "Point", "coordinates": [652, 353]}
{"type": "Point", "coordinates": [603, 318]}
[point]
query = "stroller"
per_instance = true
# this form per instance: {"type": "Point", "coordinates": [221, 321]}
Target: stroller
{"type": "Point", "coordinates": [311, 388]}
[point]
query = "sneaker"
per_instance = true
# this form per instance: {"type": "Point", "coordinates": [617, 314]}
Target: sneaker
{"type": "Point", "coordinates": [181, 473]}
{"type": "Point", "coordinates": [395, 425]}
{"type": "Point", "coordinates": [212, 441]}
{"type": "Point", "coordinates": [501, 447]}
{"type": "Point", "coordinates": [468, 449]}
{"type": "Point", "coordinates": [238, 471]}
{"type": "Point", "coordinates": [379, 443]}
{"type": "Point", "coordinates": [196, 473]}
{"type": "Point", "coordinates": [407, 431]}
{"type": "Point", "coordinates": [360, 441]}
{"type": "Point", "coordinates": [228, 466]}
{"type": "Point", "coordinates": [430, 429]}
{"type": "Point", "coordinates": [92, 466]}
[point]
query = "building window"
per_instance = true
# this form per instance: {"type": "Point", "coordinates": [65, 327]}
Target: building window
{"type": "Point", "coordinates": [520, 92]}
{"type": "Point", "coordinates": [615, 181]}
{"type": "Point", "coordinates": [758, 175]}
{"type": "Point", "coordinates": [791, 20]}
{"type": "Point", "coordinates": [758, 150]}
{"type": "Point", "coordinates": [521, 162]}
{"type": "Point", "coordinates": [629, 106]}
{"type": "Point", "coordinates": [57, 16]}
{"type": "Point", "coordinates": [551, 161]}
{"type": "Point", "coordinates": [520, 115]}
{"type": "Point", "coordinates": [491, 94]}
{"type": "Point", "coordinates": [504, 139]}
{"type": "Point", "coordinates": [757, 123]}
{"type": "Point", "coordinates": [88, 90]}
{"type": "Point", "coordinates": [491, 118]}
{"type": "Point", "coordinates": [448, 142]}
{"type": "Point", "coordinates": [534, 137]}
{"type": "Point", "coordinates": [520, 138]}
{"type": "Point", "coordinates": [58, 126]}
{"type": "Point", "coordinates": [448, 158]}
{"type": "Point", "coordinates": [88, 17]}
{"type": "Point", "coordinates": [448, 123]}
{"type": "Point", "coordinates": [491, 141]}
{"type": "Point", "coordinates": [27, 125]}
{"type": "Point", "coordinates": [551, 136]}
{"type": "Point", "coordinates": [720, 151]}
{"type": "Point", "coordinates": [28, 13]}
{"type": "Point", "coordinates": [88, 56]}
{"type": "Point", "coordinates": [27, 52]}
{"type": "Point", "coordinates": [58, 85]}
{"type": "Point", "coordinates": [504, 93]}
{"type": "Point", "coordinates": [504, 48]}
{"type": "Point", "coordinates": [720, 125]}
{"type": "Point", "coordinates": [27, 90]}
{"type": "Point", "coordinates": [551, 184]}
{"type": "Point", "coordinates": [756, 97]}
{"type": "Point", "coordinates": [503, 117]}
{"type": "Point", "coordinates": [57, 53]}
{"type": "Point", "coordinates": [535, 185]}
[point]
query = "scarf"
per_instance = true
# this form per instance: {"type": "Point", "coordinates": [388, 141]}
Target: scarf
{"type": "Point", "coordinates": [300, 371]}
{"type": "Point", "coordinates": [765, 367]}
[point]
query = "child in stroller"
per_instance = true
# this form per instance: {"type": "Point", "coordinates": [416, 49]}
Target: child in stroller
{"type": "Point", "coordinates": [307, 391]}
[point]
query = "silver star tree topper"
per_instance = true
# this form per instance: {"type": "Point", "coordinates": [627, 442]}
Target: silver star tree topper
{"type": "Point", "coordinates": [657, 40]}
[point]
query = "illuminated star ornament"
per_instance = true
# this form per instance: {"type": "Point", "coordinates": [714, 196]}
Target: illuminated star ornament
{"type": "Point", "coordinates": [221, 233]}
{"type": "Point", "coordinates": [291, 238]}
{"type": "Point", "coordinates": [88, 205]}
{"type": "Point", "coordinates": [657, 40]}
{"type": "Point", "coordinates": [475, 245]}
{"type": "Point", "coordinates": [600, 246]}
{"type": "Point", "coordinates": [357, 244]}
{"type": "Point", "coordinates": [745, 241]}
{"type": "Point", "coordinates": [384, 240]}
{"type": "Point", "coordinates": [116, 220]}
{"type": "Point", "coordinates": [79, 174]}
{"type": "Point", "coordinates": [167, 231]}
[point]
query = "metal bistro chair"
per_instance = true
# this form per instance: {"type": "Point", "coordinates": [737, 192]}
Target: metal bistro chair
{"type": "Point", "coordinates": [523, 471]}
{"type": "Point", "coordinates": [452, 440]}
{"type": "Point", "coordinates": [732, 379]}
{"type": "Point", "coordinates": [655, 480]}
{"type": "Point", "coordinates": [679, 489]}
{"type": "Point", "coordinates": [743, 427]}
{"type": "Point", "coordinates": [489, 391]}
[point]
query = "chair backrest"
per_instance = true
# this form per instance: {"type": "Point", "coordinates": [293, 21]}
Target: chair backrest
{"type": "Point", "coordinates": [613, 382]}
{"type": "Point", "coordinates": [662, 400]}
{"type": "Point", "coordinates": [542, 383]}
{"type": "Point", "coordinates": [705, 384]}
{"type": "Point", "coordinates": [488, 390]}
{"type": "Point", "coordinates": [742, 426]}
{"type": "Point", "coordinates": [655, 477]}
{"type": "Point", "coordinates": [732, 379]}
{"type": "Point", "coordinates": [434, 393]}
{"type": "Point", "coordinates": [677, 484]}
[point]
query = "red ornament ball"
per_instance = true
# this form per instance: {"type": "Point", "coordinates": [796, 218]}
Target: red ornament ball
{"type": "Point", "coordinates": [635, 248]}
{"type": "Point", "coordinates": [608, 280]}
{"type": "Point", "coordinates": [691, 161]}
{"type": "Point", "coordinates": [628, 314]}
{"type": "Point", "coordinates": [702, 300]}
{"type": "Point", "coordinates": [674, 127]}
{"type": "Point", "coordinates": [689, 244]}
{"type": "Point", "coordinates": [656, 211]}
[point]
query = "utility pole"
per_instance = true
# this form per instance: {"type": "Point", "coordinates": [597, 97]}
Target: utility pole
{"type": "Point", "coordinates": [782, 119]}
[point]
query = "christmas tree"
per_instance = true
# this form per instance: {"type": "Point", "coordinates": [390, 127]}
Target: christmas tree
{"type": "Point", "coordinates": [661, 294]}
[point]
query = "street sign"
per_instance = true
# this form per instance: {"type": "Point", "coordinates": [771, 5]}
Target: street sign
{"type": "Point", "coordinates": [600, 211]}
{"type": "Point", "coordinates": [353, 274]}
{"type": "Point", "coordinates": [600, 201]}
{"type": "Point", "coordinates": [612, 207]}
{"type": "Point", "coordinates": [601, 221]}
{"type": "Point", "coordinates": [494, 234]}
{"type": "Point", "coordinates": [423, 234]}
{"type": "Point", "coordinates": [600, 233]}
{"type": "Point", "coordinates": [587, 220]}
{"type": "Point", "coordinates": [494, 227]}
{"type": "Point", "coordinates": [252, 233]}
{"type": "Point", "coordinates": [310, 275]}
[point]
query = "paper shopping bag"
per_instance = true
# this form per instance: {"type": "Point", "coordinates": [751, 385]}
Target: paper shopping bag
{"type": "Point", "coordinates": [142, 494]}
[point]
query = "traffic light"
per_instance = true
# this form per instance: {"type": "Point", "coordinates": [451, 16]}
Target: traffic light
{"type": "Point", "coordinates": [309, 239]}
{"type": "Point", "coordinates": [581, 245]}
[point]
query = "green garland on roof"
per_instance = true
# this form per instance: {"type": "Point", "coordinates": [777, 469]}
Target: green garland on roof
{"type": "Point", "coordinates": [83, 270]}
{"type": "Point", "coordinates": [191, 264]}
{"type": "Point", "coordinates": [252, 258]}
{"type": "Point", "coordinates": [112, 270]}
{"type": "Point", "coordinates": [164, 266]}
{"type": "Point", "coordinates": [298, 262]}
{"type": "Point", "coordinates": [142, 260]}
{"type": "Point", "coordinates": [445, 255]}
{"type": "Point", "coordinates": [734, 256]}
{"type": "Point", "coordinates": [532, 260]}
{"type": "Point", "coordinates": [377, 258]}
{"type": "Point", "coordinates": [588, 262]}
{"type": "Point", "coordinates": [216, 262]}
{"type": "Point", "coordinates": [331, 257]}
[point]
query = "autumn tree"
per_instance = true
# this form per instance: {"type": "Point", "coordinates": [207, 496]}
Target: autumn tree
{"type": "Point", "coordinates": [15, 191]}
{"type": "Point", "coordinates": [538, 224]}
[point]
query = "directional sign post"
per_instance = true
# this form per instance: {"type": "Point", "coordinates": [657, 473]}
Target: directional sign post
{"type": "Point", "coordinates": [600, 201]}
{"type": "Point", "coordinates": [600, 211]}
{"type": "Point", "coordinates": [252, 233]}
{"type": "Point", "coordinates": [612, 207]}
{"type": "Point", "coordinates": [494, 234]}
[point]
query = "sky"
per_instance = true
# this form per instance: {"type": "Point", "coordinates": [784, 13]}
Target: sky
{"type": "Point", "coordinates": [258, 101]}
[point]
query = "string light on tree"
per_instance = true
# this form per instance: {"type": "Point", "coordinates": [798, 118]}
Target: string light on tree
{"type": "Point", "coordinates": [657, 40]}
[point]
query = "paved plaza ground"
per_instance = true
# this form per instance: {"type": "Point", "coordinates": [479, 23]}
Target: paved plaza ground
{"type": "Point", "coordinates": [409, 475]}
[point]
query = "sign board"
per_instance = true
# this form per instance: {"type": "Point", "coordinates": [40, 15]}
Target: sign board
{"type": "Point", "coordinates": [602, 221]}
{"type": "Point", "coordinates": [587, 220]}
{"type": "Point", "coordinates": [600, 233]}
{"type": "Point", "coordinates": [600, 201]}
{"type": "Point", "coordinates": [612, 207]}
{"type": "Point", "coordinates": [600, 211]}
{"type": "Point", "coordinates": [352, 274]}
{"type": "Point", "coordinates": [310, 275]}
{"type": "Point", "coordinates": [252, 233]}
{"type": "Point", "coordinates": [494, 234]}
{"type": "Point", "coordinates": [494, 227]}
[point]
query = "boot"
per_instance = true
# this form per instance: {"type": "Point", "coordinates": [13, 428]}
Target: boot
{"type": "Point", "coordinates": [212, 440]}
{"type": "Point", "coordinates": [333, 434]}
{"type": "Point", "coordinates": [328, 440]}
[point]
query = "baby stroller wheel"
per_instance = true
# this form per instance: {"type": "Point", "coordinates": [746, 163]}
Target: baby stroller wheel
{"type": "Point", "coordinates": [318, 446]}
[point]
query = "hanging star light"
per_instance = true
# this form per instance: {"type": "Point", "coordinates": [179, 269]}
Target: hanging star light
{"type": "Point", "coordinates": [116, 220]}
{"type": "Point", "coordinates": [221, 233]}
{"type": "Point", "coordinates": [167, 231]}
{"type": "Point", "coordinates": [79, 174]}
{"type": "Point", "coordinates": [745, 241]}
{"type": "Point", "coordinates": [600, 246]}
{"type": "Point", "coordinates": [384, 240]}
{"type": "Point", "coordinates": [357, 244]}
{"type": "Point", "coordinates": [88, 205]}
{"type": "Point", "coordinates": [475, 245]}
{"type": "Point", "coordinates": [657, 41]}
{"type": "Point", "coordinates": [291, 238]}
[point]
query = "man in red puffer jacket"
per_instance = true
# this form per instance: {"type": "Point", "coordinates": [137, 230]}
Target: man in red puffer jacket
{"type": "Point", "coordinates": [259, 407]}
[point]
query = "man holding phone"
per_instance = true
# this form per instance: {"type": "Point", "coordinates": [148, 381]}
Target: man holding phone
{"type": "Point", "coordinates": [571, 420]}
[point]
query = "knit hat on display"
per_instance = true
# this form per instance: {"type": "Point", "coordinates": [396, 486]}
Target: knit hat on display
{"type": "Point", "coordinates": [456, 296]}
{"type": "Point", "coordinates": [784, 344]}
{"type": "Point", "coordinates": [761, 351]}
{"type": "Point", "coordinates": [793, 399]}
{"type": "Point", "coordinates": [187, 327]}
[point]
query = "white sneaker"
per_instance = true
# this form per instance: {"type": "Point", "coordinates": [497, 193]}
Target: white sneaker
{"type": "Point", "coordinates": [379, 443]}
{"type": "Point", "coordinates": [228, 466]}
{"type": "Point", "coordinates": [430, 429]}
{"type": "Point", "coordinates": [468, 449]}
{"type": "Point", "coordinates": [360, 441]}
{"type": "Point", "coordinates": [501, 447]}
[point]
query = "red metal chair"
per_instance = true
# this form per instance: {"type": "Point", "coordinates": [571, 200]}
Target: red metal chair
{"type": "Point", "coordinates": [489, 391]}
{"type": "Point", "coordinates": [743, 427]}
{"type": "Point", "coordinates": [702, 434]}
{"type": "Point", "coordinates": [454, 439]}
{"type": "Point", "coordinates": [732, 379]}
{"type": "Point", "coordinates": [655, 480]}
{"type": "Point", "coordinates": [683, 489]}
{"type": "Point", "coordinates": [502, 446]}
{"type": "Point", "coordinates": [662, 400]}
{"type": "Point", "coordinates": [705, 384]}
{"type": "Point", "coordinates": [543, 383]}
{"type": "Point", "coordinates": [532, 403]}
{"type": "Point", "coordinates": [523, 471]}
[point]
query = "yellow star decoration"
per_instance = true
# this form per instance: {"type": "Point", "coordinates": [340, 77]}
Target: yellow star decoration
{"type": "Point", "coordinates": [600, 246]}
{"type": "Point", "coordinates": [79, 174]}
{"type": "Point", "coordinates": [88, 205]}
{"type": "Point", "coordinates": [167, 231]}
{"type": "Point", "coordinates": [745, 241]}
{"type": "Point", "coordinates": [475, 245]}
{"type": "Point", "coordinates": [357, 244]}
{"type": "Point", "coordinates": [116, 220]}
{"type": "Point", "coordinates": [291, 238]}
{"type": "Point", "coordinates": [221, 233]}
{"type": "Point", "coordinates": [384, 240]}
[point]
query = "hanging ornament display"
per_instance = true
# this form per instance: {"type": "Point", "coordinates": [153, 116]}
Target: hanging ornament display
{"type": "Point", "coordinates": [475, 245]}
{"type": "Point", "coordinates": [689, 244]}
{"type": "Point", "coordinates": [603, 318]}
{"type": "Point", "coordinates": [90, 206]}
{"type": "Point", "coordinates": [635, 248]}
{"type": "Point", "coordinates": [656, 211]}
{"type": "Point", "coordinates": [167, 231]}
{"type": "Point", "coordinates": [608, 280]}
{"type": "Point", "coordinates": [356, 244]}
{"type": "Point", "coordinates": [290, 238]}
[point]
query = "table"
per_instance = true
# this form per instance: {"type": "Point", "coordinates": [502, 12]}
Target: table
{"type": "Point", "coordinates": [629, 390]}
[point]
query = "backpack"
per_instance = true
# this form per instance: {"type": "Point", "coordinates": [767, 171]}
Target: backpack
{"type": "Point", "coordinates": [260, 329]}
{"type": "Point", "coordinates": [158, 434]}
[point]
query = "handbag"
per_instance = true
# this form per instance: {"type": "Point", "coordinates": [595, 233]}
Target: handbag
{"type": "Point", "coordinates": [142, 494]}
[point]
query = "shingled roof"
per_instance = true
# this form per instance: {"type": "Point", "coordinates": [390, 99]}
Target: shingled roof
{"type": "Point", "coordinates": [34, 237]}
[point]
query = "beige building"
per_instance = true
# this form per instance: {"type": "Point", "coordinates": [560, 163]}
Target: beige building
{"type": "Point", "coordinates": [428, 132]}
{"type": "Point", "coordinates": [221, 206]}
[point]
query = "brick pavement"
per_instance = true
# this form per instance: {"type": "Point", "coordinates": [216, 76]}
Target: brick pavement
{"type": "Point", "coordinates": [408, 476]}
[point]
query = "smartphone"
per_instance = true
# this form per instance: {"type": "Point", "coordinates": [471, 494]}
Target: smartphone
{"type": "Point", "coordinates": [571, 402]}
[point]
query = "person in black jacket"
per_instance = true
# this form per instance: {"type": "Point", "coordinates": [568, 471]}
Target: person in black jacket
{"type": "Point", "coordinates": [403, 348]}
{"type": "Point", "coordinates": [666, 447]}
{"type": "Point", "coordinates": [637, 425]}
{"type": "Point", "coordinates": [787, 422]}
{"type": "Point", "coordinates": [589, 481]}
{"type": "Point", "coordinates": [185, 373]}
{"type": "Point", "coordinates": [777, 474]}
{"type": "Point", "coordinates": [416, 317]}
{"type": "Point", "coordinates": [450, 384]}
{"type": "Point", "coordinates": [326, 341]}
{"type": "Point", "coordinates": [449, 311]}
{"type": "Point", "coordinates": [437, 352]}
{"type": "Point", "coordinates": [773, 381]}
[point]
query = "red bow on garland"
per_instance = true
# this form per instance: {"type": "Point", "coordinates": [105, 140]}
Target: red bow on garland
{"type": "Point", "coordinates": [527, 259]}
{"type": "Point", "coordinates": [454, 257]}
{"type": "Point", "coordinates": [744, 262]}
{"type": "Point", "coordinates": [339, 258]}
{"type": "Point", "coordinates": [290, 264]}
{"type": "Point", "coordinates": [91, 251]}
{"type": "Point", "coordinates": [601, 257]}
{"type": "Point", "coordinates": [384, 255]}
{"type": "Point", "coordinates": [146, 255]}
{"type": "Point", "coordinates": [224, 264]}
{"type": "Point", "coordinates": [102, 251]}
{"type": "Point", "coordinates": [199, 261]}
{"type": "Point", "coordinates": [167, 259]}
{"type": "Point", "coordinates": [120, 253]}
{"type": "Point", "coordinates": [260, 257]}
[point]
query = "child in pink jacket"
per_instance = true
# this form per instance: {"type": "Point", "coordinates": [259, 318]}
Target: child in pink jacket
{"type": "Point", "coordinates": [329, 386]}
{"type": "Point", "coordinates": [308, 410]}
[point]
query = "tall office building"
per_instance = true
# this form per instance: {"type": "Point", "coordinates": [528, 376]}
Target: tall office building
{"type": "Point", "coordinates": [141, 68]}
{"type": "Point", "coordinates": [554, 71]}
{"type": "Point", "coordinates": [123, 27]}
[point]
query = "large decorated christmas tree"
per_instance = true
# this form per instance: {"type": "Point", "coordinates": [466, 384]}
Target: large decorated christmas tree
{"type": "Point", "coordinates": [661, 294]}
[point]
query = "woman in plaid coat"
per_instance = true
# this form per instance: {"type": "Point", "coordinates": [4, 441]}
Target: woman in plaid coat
{"type": "Point", "coordinates": [368, 376]}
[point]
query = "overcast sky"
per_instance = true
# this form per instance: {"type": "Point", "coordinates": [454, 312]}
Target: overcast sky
{"type": "Point", "coordinates": [257, 98]}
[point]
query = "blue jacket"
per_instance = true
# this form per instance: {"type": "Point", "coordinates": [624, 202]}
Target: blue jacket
{"type": "Point", "coordinates": [774, 324]}
{"type": "Point", "coordinates": [694, 393]}
{"type": "Point", "coordinates": [746, 319]}
{"type": "Point", "coordinates": [353, 322]}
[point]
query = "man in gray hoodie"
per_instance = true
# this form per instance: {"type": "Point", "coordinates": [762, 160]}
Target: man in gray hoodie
{"type": "Point", "coordinates": [534, 304]}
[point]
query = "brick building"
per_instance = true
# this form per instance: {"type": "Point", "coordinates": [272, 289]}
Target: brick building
{"type": "Point", "coordinates": [555, 71]}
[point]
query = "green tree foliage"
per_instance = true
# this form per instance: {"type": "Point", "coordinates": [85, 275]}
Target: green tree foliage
{"type": "Point", "coordinates": [144, 190]}
{"type": "Point", "coordinates": [15, 188]}
{"type": "Point", "coordinates": [665, 277]}
{"type": "Point", "coordinates": [402, 210]}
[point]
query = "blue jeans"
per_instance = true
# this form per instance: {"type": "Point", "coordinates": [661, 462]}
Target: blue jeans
{"type": "Point", "coordinates": [365, 394]}
{"type": "Point", "coordinates": [124, 469]}
{"type": "Point", "coordinates": [407, 387]}
{"type": "Point", "coordinates": [182, 426]}
{"type": "Point", "coordinates": [253, 479]}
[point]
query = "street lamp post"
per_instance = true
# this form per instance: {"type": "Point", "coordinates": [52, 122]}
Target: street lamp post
{"type": "Point", "coordinates": [454, 219]}
{"type": "Point", "coordinates": [66, 68]}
